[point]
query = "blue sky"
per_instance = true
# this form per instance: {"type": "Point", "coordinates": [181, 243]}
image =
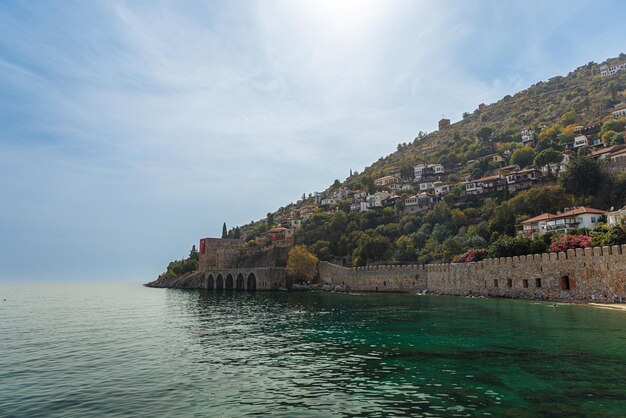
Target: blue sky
{"type": "Point", "coordinates": [131, 129]}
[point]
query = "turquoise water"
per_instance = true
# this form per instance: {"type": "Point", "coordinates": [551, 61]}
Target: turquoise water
{"type": "Point", "coordinates": [125, 350]}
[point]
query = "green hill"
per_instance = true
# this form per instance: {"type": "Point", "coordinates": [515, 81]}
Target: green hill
{"type": "Point", "coordinates": [450, 224]}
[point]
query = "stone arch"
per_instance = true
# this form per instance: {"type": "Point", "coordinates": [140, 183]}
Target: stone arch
{"type": "Point", "coordinates": [229, 282]}
{"type": "Point", "coordinates": [251, 285]}
{"type": "Point", "coordinates": [239, 283]}
{"type": "Point", "coordinates": [210, 282]}
{"type": "Point", "coordinates": [219, 282]}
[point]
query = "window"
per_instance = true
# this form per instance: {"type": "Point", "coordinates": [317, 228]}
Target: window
{"type": "Point", "coordinates": [565, 285]}
{"type": "Point", "coordinates": [525, 283]}
{"type": "Point", "coordinates": [537, 282]}
{"type": "Point", "coordinates": [495, 282]}
{"type": "Point", "coordinates": [509, 283]}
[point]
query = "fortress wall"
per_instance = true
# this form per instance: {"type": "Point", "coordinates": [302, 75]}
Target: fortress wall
{"type": "Point", "coordinates": [591, 274]}
{"type": "Point", "coordinates": [390, 278]}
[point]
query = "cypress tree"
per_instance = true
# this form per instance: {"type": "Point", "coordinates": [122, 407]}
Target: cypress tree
{"type": "Point", "coordinates": [224, 231]}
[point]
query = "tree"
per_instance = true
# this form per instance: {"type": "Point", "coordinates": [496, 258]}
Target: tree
{"type": "Point", "coordinates": [301, 263]}
{"type": "Point", "coordinates": [270, 219]}
{"type": "Point", "coordinates": [405, 250]}
{"type": "Point", "coordinates": [584, 177]}
{"type": "Point", "coordinates": [224, 231]}
{"type": "Point", "coordinates": [523, 156]}
{"type": "Point", "coordinates": [568, 118]}
{"type": "Point", "coordinates": [548, 156]}
{"type": "Point", "coordinates": [612, 138]}
{"type": "Point", "coordinates": [485, 133]}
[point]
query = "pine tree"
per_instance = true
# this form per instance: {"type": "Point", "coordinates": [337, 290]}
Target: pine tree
{"type": "Point", "coordinates": [224, 231]}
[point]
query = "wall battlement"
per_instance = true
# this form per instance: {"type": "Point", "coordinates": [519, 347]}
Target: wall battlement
{"type": "Point", "coordinates": [583, 274]}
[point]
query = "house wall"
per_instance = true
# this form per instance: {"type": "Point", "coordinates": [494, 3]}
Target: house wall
{"type": "Point", "coordinates": [593, 274]}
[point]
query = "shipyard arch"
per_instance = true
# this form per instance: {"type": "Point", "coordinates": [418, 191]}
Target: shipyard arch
{"type": "Point", "coordinates": [219, 282]}
{"type": "Point", "coordinates": [239, 283]}
{"type": "Point", "coordinates": [210, 282]}
{"type": "Point", "coordinates": [229, 282]}
{"type": "Point", "coordinates": [251, 282]}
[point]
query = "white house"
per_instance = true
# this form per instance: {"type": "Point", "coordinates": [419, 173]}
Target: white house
{"type": "Point", "coordinates": [376, 200]}
{"type": "Point", "coordinates": [581, 141]}
{"type": "Point", "coordinates": [581, 217]}
{"type": "Point", "coordinates": [527, 136]}
{"type": "Point", "coordinates": [424, 187]}
{"type": "Point", "coordinates": [442, 189]}
{"type": "Point", "coordinates": [328, 202]}
{"type": "Point", "coordinates": [620, 110]}
{"type": "Point", "coordinates": [613, 69]}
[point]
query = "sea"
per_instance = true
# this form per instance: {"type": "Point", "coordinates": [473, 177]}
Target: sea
{"type": "Point", "coordinates": [124, 350]}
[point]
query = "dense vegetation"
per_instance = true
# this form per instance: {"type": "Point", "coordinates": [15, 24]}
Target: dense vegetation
{"type": "Point", "coordinates": [462, 227]}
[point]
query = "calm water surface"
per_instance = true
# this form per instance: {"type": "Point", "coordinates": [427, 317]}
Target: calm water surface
{"type": "Point", "coordinates": [124, 350]}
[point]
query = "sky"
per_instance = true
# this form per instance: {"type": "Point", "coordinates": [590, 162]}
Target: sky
{"type": "Point", "coordinates": [130, 129]}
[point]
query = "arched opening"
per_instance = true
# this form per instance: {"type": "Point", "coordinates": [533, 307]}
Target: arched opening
{"type": "Point", "coordinates": [210, 282]}
{"type": "Point", "coordinates": [239, 282]}
{"type": "Point", "coordinates": [229, 282]}
{"type": "Point", "coordinates": [251, 285]}
{"type": "Point", "coordinates": [219, 282]}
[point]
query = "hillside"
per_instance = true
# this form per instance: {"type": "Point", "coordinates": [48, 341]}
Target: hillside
{"type": "Point", "coordinates": [460, 193]}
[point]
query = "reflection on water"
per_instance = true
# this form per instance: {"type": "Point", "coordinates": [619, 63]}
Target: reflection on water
{"type": "Point", "coordinates": [126, 350]}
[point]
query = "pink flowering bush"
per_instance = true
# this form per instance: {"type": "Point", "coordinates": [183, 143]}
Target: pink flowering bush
{"type": "Point", "coordinates": [472, 255]}
{"type": "Point", "coordinates": [567, 242]}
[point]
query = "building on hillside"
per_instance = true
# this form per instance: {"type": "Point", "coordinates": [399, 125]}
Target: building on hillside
{"type": "Point", "coordinates": [496, 158]}
{"type": "Point", "coordinates": [482, 107]}
{"type": "Point", "coordinates": [523, 179]}
{"type": "Point", "coordinates": [427, 186]}
{"type": "Point", "coordinates": [425, 171]}
{"type": "Point", "coordinates": [616, 217]}
{"type": "Point", "coordinates": [485, 185]}
{"type": "Point", "coordinates": [386, 180]}
{"type": "Point", "coordinates": [395, 172]}
{"type": "Point", "coordinates": [604, 153]}
{"type": "Point", "coordinates": [291, 223]}
{"type": "Point", "coordinates": [528, 137]}
{"type": "Point", "coordinates": [561, 223]}
{"type": "Point", "coordinates": [581, 141]}
{"type": "Point", "coordinates": [442, 189]}
{"type": "Point", "coordinates": [376, 200]}
{"type": "Point", "coordinates": [619, 111]}
{"type": "Point", "coordinates": [606, 70]}
{"type": "Point", "coordinates": [508, 169]}
{"type": "Point", "coordinates": [358, 207]}
{"type": "Point", "coordinates": [444, 123]}
{"type": "Point", "coordinates": [329, 201]}
{"type": "Point", "coordinates": [618, 155]}
{"type": "Point", "coordinates": [417, 203]}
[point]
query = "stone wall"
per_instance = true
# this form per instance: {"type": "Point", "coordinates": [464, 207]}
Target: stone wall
{"type": "Point", "coordinates": [590, 274]}
{"type": "Point", "coordinates": [219, 253]}
{"type": "Point", "coordinates": [408, 278]}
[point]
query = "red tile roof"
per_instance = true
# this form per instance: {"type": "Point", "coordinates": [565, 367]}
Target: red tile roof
{"type": "Point", "coordinates": [538, 218]}
{"type": "Point", "coordinates": [579, 211]}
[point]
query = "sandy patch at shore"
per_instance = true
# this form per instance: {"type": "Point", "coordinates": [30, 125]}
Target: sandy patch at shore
{"type": "Point", "coordinates": [614, 306]}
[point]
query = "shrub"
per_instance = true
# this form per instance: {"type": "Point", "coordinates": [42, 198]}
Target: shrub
{"type": "Point", "coordinates": [568, 242]}
{"type": "Point", "coordinates": [470, 256]}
